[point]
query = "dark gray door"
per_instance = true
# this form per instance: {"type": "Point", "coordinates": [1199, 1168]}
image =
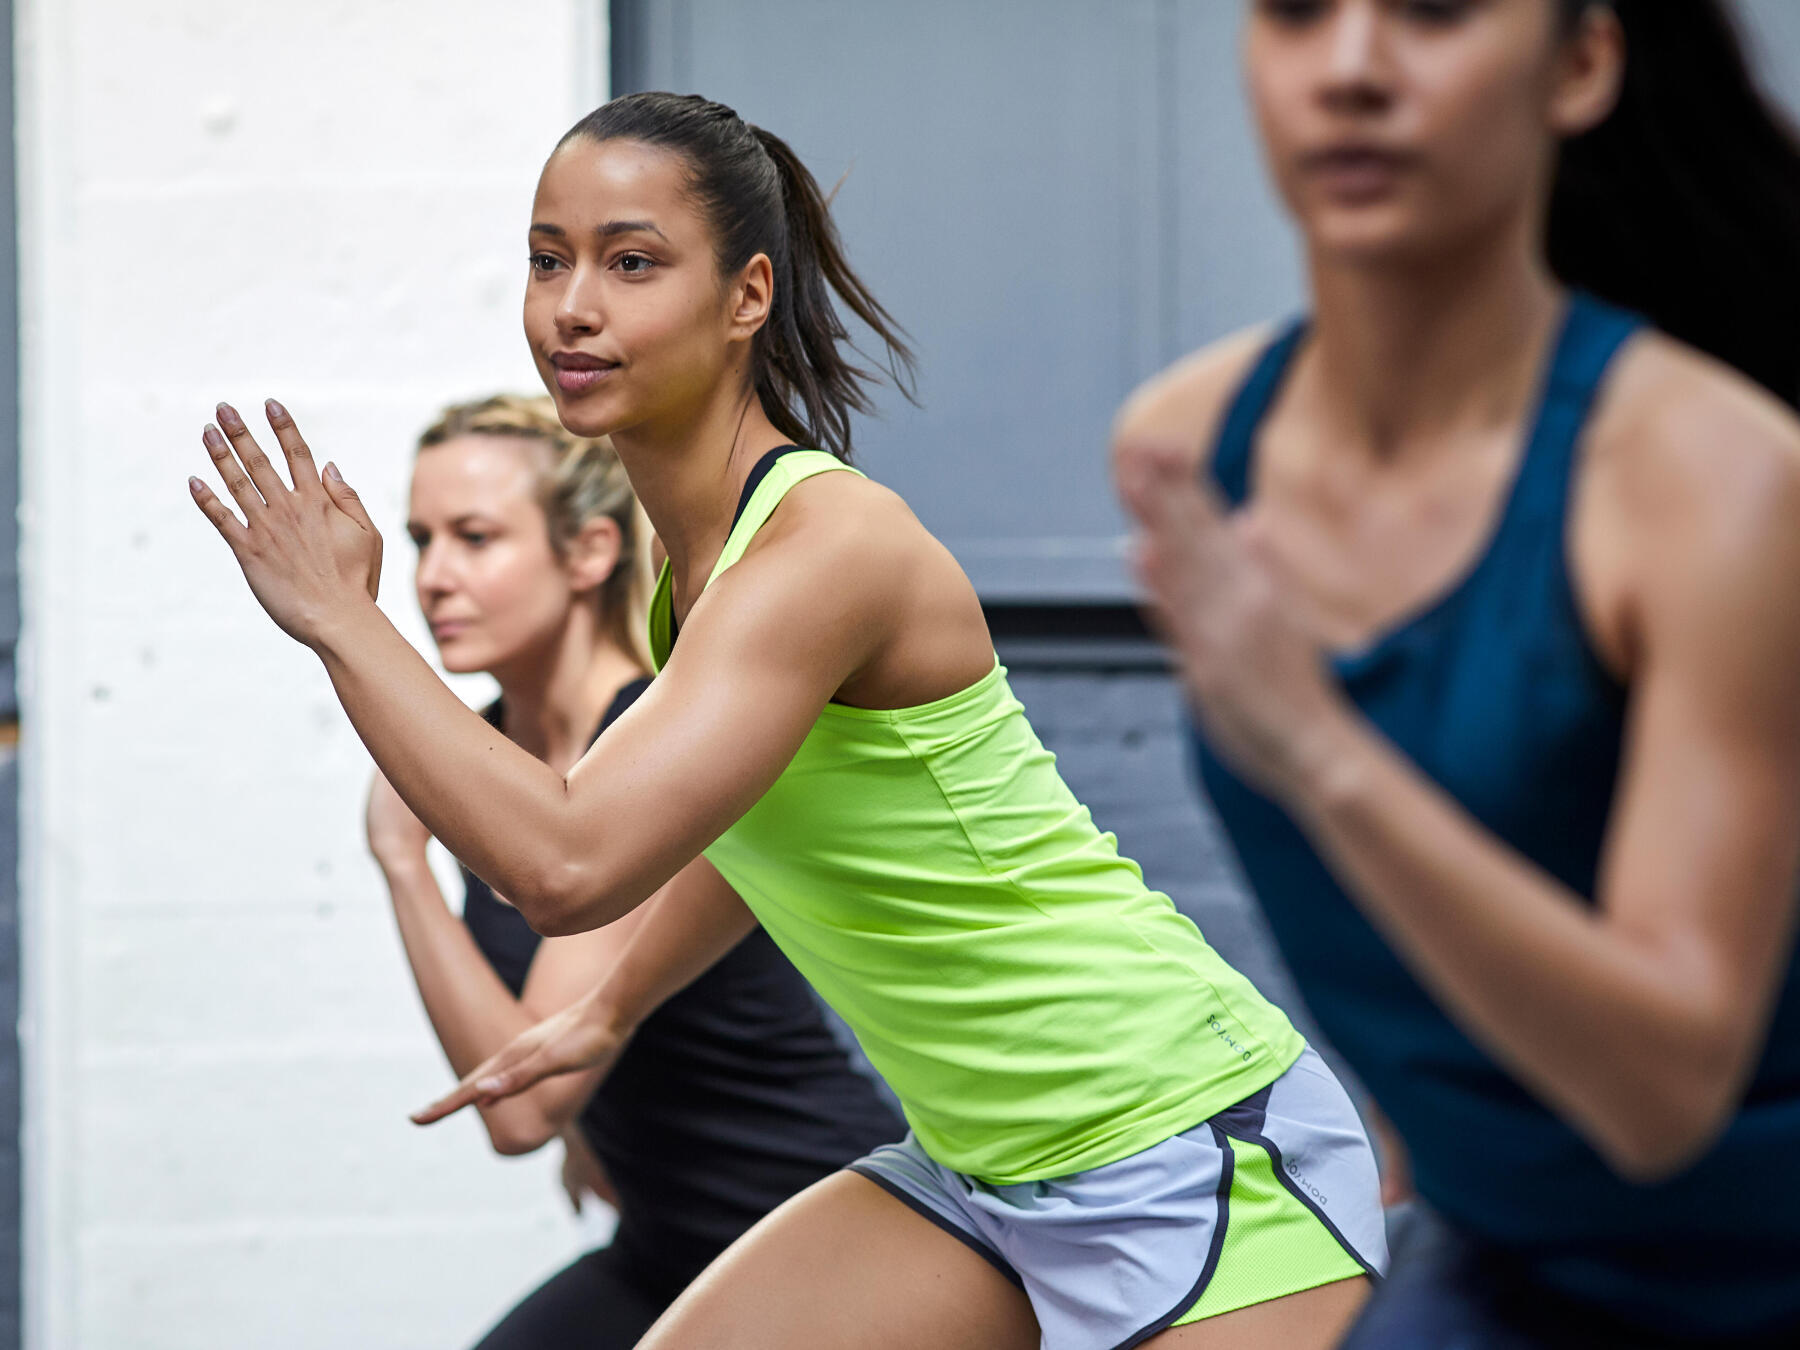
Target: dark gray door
{"type": "Point", "coordinates": [1023, 179]}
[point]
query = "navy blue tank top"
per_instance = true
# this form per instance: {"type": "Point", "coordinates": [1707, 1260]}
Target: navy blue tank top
{"type": "Point", "coordinates": [729, 1098]}
{"type": "Point", "coordinates": [1495, 692]}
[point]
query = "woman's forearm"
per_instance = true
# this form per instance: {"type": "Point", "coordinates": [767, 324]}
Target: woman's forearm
{"type": "Point", "coordinates": [1599, 1024]}
{"type": "Point", "coordinates": [503, 812]}
{"type": "Point", "coordinates": [695, 920]}
{"type": "Point", "coordinates": [472, 1012]}
{"type": "Point", "coordinates": [692, 923]}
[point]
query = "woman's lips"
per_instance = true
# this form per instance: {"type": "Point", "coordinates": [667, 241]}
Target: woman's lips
{"type": "Point", "coordinates": [575, 381]}
{"type": "Point", "coordinates": [1357, 173]}
{"type": "Point", "coordinates": [449, 628]}
{"type": "Point", "coordinates": [577, 371]}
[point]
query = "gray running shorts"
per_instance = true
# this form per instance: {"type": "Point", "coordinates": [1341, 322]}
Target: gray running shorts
{"type": "Point", "coordinates": [1270, 1197]}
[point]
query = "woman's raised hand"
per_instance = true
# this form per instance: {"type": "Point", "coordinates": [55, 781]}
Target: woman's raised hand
{"type": "Point", "coordinates": [308, 550]}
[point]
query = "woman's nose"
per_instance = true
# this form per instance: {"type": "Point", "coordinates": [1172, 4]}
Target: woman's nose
{"type": "Point", "coordinates": [1357, 71]}
{"type": "Point", "coordinates": [578, 309]}
{"type": "Point", "coordinates": [434, 574]}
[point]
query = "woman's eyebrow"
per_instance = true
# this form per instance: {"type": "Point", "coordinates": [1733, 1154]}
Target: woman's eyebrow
{"type": "Point", "coordinates": [606, 231]}
{"type": "Point", "coordinates": [614, 227]}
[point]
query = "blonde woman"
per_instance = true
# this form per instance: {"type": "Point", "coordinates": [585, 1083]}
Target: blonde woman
{"type": "Point", "coordinates": [532, 556]}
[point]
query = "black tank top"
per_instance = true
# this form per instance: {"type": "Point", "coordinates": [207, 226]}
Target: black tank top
{"type": "Point", "coordinates": [732, 1096]}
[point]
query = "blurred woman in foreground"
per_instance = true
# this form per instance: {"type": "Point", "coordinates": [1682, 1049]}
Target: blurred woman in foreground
{"type": "Point", "coordinates": [1484, 593]}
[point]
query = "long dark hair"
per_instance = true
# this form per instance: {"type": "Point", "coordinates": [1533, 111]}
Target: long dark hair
{"type": "Point", "coordinates": [759, 198]}
{"type": "Point", "coordinates": [1685, 203]}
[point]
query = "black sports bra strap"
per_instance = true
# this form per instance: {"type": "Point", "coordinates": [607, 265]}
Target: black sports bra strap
{"type": "Point", "coordinates": [758, 472]}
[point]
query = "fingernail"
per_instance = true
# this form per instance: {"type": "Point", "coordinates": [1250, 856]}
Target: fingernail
{"type": "Point", "coordinates": [331, 471]}
{"type": "Point", "coordinates": [490, 1084]}
{"type": "Point", "coordinates": [274, 409]}
{"type": "Point", "coordinates": [214, 441]}
{"type": "Point", "coordinates": [228, 416]}
{"type": "Point", "coordinates": [195, 486]}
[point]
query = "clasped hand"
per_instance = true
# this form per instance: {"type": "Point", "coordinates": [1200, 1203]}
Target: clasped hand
{"type": "Point", "coordinates": [1256, 679]}
{"type": "Point", "coordinates": [308, 551]}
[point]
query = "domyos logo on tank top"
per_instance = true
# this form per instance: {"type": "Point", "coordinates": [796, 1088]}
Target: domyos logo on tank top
{"type": "Point", "coordinates": [1220, 1030]}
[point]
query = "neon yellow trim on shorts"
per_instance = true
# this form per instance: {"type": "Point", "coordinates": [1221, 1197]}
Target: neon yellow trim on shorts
{"type": "Point", "coordinates": [1274, 1245]}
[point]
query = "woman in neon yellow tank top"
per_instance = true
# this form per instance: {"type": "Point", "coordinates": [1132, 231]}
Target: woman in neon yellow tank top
{"type": "Point", "coordinates": [1115, 1140]}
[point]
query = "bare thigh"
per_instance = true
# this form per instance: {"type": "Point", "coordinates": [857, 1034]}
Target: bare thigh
{"type": "Point", "coordinates": [846, 1266]}
{"type": "Point", "coordinates": [1313, 1319]}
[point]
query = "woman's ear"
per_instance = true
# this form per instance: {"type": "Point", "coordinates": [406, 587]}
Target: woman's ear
{"type": "Point", "coordinates": [593, 553]}
{"type": "Point", "coordinates": [752, 296]}
{"type": "Point", "coordinates": [1591, 74]}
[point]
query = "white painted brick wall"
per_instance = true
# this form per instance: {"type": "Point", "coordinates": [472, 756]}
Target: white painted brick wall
{"type": "Point", "coordinates": [234, 198]}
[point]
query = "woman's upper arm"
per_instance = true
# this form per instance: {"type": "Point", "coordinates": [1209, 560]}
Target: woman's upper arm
{"type": "Point", "coordinates": [566, 969]}
{"type": "Point", "coordinates": [762, 652]}
{"type": "Point", "coordinates": [1702, 857]}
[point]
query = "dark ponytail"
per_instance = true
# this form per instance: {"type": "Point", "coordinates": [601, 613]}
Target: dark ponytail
{"type": "Point", "coordinates": [759, 198]}
{"type": "Point", "coordinates": [1685, 203]}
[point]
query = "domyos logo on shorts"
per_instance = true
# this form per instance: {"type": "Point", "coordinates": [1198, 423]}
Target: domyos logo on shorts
{"type": "Point", "coordinates": [1293, 1170]}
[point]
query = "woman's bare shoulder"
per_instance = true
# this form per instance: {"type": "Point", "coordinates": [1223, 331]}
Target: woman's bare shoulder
{"type": "Point", "coordinates": [1682, 436]}
{"type": "Point", "coordinates": [845, 571]}
{"type": "Point", "coordinates": [1183, 403]}
{"type": "Point", "coordinates": [846, 533]}
{"type": "Point", "coordinates": [1688, 508]}
{"type": "Point", "coordinates": [832, 511]}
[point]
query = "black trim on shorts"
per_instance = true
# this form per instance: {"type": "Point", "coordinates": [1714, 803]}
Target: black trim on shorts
{"type": "Point", "coordinates": [1244, 1122]}
{"type": "Point", "coordinates": [1227, 1169]}
{"type": "Point", "coordinates": [919, 1207]}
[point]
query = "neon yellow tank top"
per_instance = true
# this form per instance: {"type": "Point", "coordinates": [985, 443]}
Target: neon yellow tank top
{"type": "Point", "coordinates": [1037, 1009]}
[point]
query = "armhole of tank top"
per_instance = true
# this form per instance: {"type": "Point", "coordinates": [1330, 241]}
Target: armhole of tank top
{"type": "Point", "coordinates": [756, 519]}
{"type": "Point", "coordinates": [1612, 330]}
{"type": "Point", "coordinates": [659, 620]}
